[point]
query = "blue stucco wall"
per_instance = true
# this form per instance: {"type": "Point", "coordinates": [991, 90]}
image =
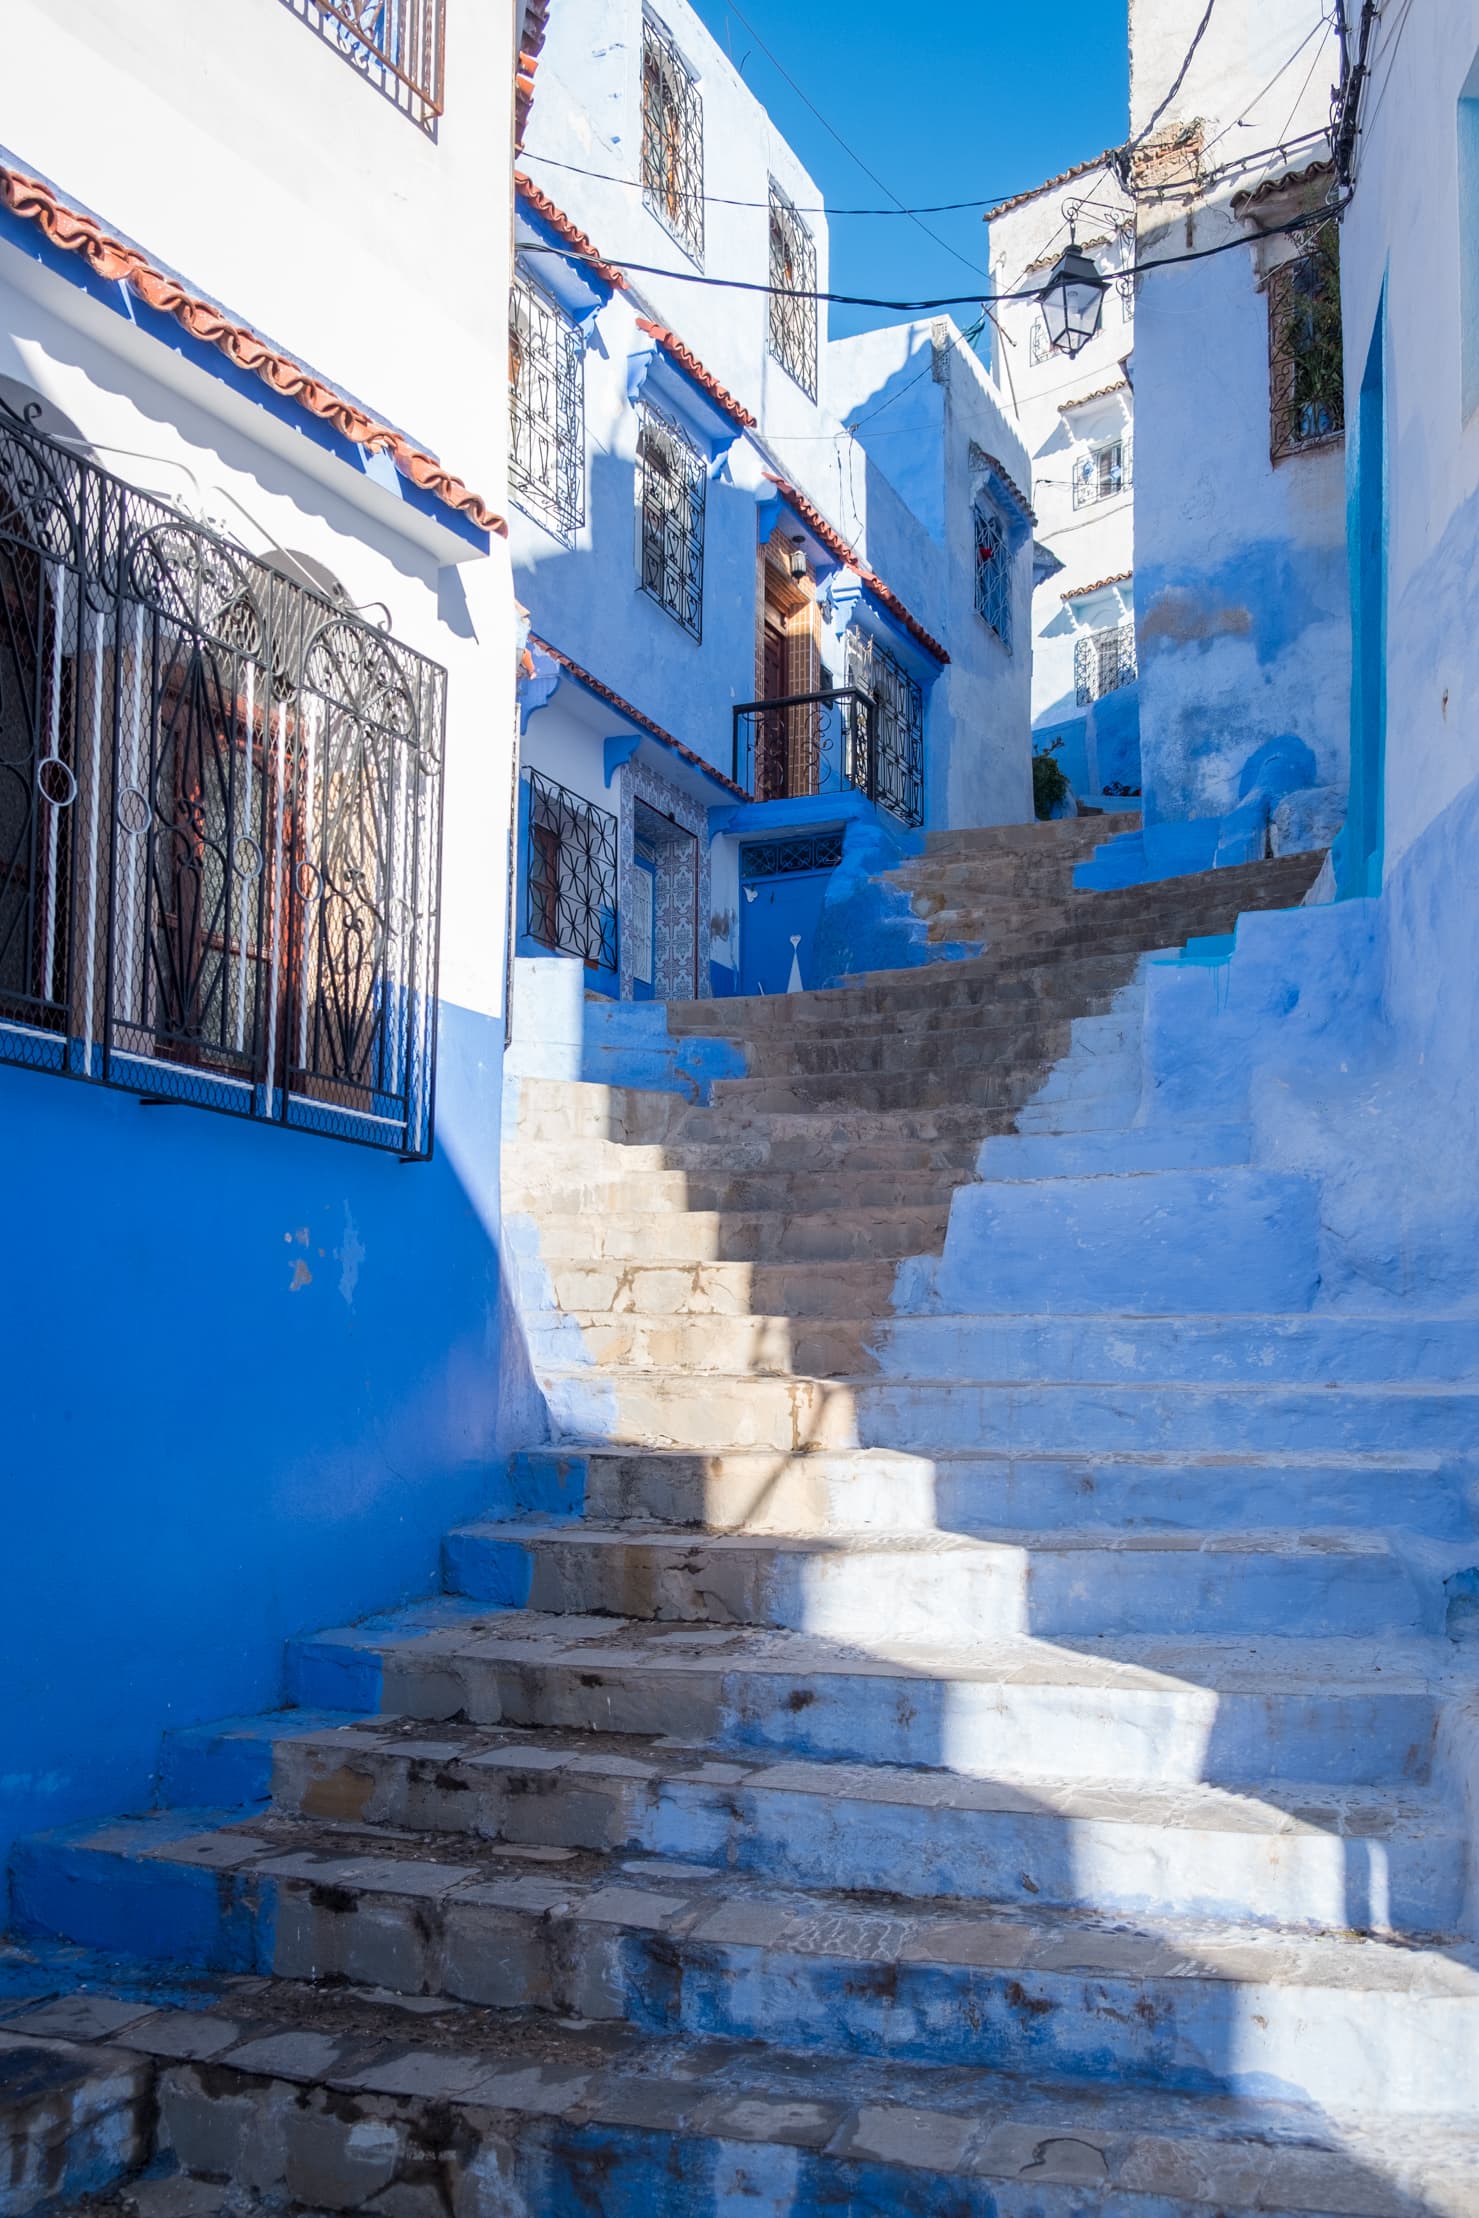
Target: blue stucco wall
{"type": "Point", "coordinates": [268, 1369]}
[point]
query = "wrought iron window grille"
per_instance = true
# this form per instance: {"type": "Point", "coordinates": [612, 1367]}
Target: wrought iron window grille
{"type": "Point", "coordinates": [672, 141]}
{"type": "Point", "coordinates": [400, 45]}
{"type": "Point", "coordinates": [894, 733]}
{"type": "Point", "coordinates": [1103, 661]}
{"type": "Point", "coordinates": [781, 858]}
{"type": "Point", "coordinates": [793, 268]}
{"type": "Point", "coordinates": [993, 574]}
{"type": "Point", "coordinates": [672, 493]}
{"type": "Point", "coordinates": [1040, 346]}
{"type": "Point", "coordinates": [1104, 473]}
{"type": "Point", "coordinates": [220, 818]}
{"type": "Point", "coordinates": [546, 385]}
{"type": "Point", "coordinates": [1305, 348]}
{"type": "Point", "coordinates": [570, 879]}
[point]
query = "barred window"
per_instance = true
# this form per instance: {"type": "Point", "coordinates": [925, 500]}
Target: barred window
{"type": "Point", "coordinates": [570, 874]}
{"type": "Point", "coordinates": [220, 817]}
{"type": "Point", "coordinates": [546, 388]}
{"type": "Point", "coordinates": [793, 267]}
{"type": "Point", "coordinates": [1041, 346]}
{"type": "Point", "coordinates": [1102, 473]}
{"type": "Point", "coordinates": [672, 141]}
{"type": "Point", "coordinates": [994, 574]}
{"type": "Point", "coordinates": [890, 741]}
{"type": "Point", "coordinates": [672, 487]}
{"type": "Point", "coordinates": [1103, 661]}
{"type": "Point", "coordinates": [1305, 354]}
{"type": "Point", "coordinates": [398, 44]}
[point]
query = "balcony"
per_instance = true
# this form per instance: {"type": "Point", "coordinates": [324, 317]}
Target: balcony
{"type": "Point", "coordinates": [220, 818]}
{"type": "Point", "coordinates": [398, 44]}
{"type": "Point", "coordinates": [843, 741]}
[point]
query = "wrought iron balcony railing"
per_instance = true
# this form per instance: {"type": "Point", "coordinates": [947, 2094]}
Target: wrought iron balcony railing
{"type": "Point", "coordinates": [837, 742]}
{"type": "Point", "coordinates": [400, 42]}
{"type": "Point", "coordinates": [220, 818]}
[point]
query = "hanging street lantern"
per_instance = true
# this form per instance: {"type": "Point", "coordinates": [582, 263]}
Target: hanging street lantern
{"type": "Point", "coordinates": [1072, 301]}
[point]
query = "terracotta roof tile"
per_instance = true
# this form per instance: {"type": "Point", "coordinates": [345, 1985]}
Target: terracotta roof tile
{"type": "Point", "coordinates": [1008, 481]}
{"type": "Point", "coordinates": [689, 361]}
{"type": "Point", "coordinates": [1271, 186]}
{"type": "Point", "coordinates": [1100, 392]}
{"type": "Point", "coordinates": [635, 715]}
{"type": "Point", "coordinates": [1064, 177]}
{"type": "Point", "coordinates": [1082, 592]}
{"type": "Point", "coordinates": [831, 537]}
{"type": "Point", "coordinates": [531, 44]}
{"type": "Point", "coordinates": [569, 231]}
{"type": "Point", "coordinates": [115, 260]}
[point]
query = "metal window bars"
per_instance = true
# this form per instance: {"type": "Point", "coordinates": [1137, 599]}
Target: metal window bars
{"type": "Point", "coordinates": [793, 269]}
{"type": "Point", "coordinates": [993, 574]}
{"type": "Point", "coordinates": [1105, 471]}
{"type": "Point", "coordinates": [220, 818]}
{"type": "Point", "coordinates": [672, 141]}
{"type": "Point", "coordinates": [1105, 660]}
{"type": "Point", "coordinates": [894, 734]}
{"type": "Point", "coordinates": [672, 492]}
{"type": "Point", "coordinates": [1305, 348]}
{"type": "Point", "coordinates": [570, 874]}
{"type": "Point", "coordinates": [546, 386]}
{"type": "Point", "coordinates": [401, 44]}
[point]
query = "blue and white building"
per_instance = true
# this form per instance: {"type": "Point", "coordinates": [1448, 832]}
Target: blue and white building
{"type": "Point", "coordinates": [257, 652]}
{"type": "Point", "coordinates": [762, 644]}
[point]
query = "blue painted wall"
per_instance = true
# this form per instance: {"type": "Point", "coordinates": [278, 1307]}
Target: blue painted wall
{"type": "Point", "coordinates": [1358, 851]}
{"type": "Point", "coordinates": [268, 1368]}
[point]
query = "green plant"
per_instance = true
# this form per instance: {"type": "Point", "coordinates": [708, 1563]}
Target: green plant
{"type": "Point", "coordinates": [1050, 787]}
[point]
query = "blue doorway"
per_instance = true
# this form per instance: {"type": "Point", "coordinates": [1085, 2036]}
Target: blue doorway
{"type": "Point", "coordinates": [783, 884]}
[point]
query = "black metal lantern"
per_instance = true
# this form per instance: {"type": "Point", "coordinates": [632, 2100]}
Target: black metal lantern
{"type": "Point", "coordinates": [1073, 301]}
{"type": "Point", "coordinates": [798, 559]}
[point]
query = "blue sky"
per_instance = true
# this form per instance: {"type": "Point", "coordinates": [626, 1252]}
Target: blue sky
{"type": "Point", "coordinates": [959, 100]}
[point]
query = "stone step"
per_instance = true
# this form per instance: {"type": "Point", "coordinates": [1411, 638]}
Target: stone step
{"type": "Point", "coordinates": [567, 1111]}
{"type": "Point", "coordinates": [947, 1046]}
{"type": "Point", "coordinates": [313, 2099]}
{"type": "Point", "coordinates": [1066, 834]}
{"type": "Point", "coordinates": [930, 988]}
{"type": "Point", "coordinates": [685, 1951]}
{"type": "Point", "coordinates": [1340, 1712]}
{"type": "Point", "coordinates": [1161, 1241]}
{"type": "Point", "coordinates": [817, 1150]}
{"type": "Point", "coordinates": [1151, 1147]}
{"type": "Point", "coordinates": [842, 1289]}
{"type": "Point", "coordinates": [759, 1236]}
{"type": "Point", "coordinates": [1284, 1855]}
{"type": "Point", "coordinates": [1001, 1087]}
{"type": "Point", "coordinates": [875, 1490]}
{"type": "Point", "coordinates": [653, 1408]}
{"type": "Point", "coordinates": [564, 1190]}
{"type": "Point", "coordinates": [963, 1589]}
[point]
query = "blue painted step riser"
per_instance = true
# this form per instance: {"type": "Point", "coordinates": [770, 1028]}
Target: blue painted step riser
{"type": "Point", "coordinates": [1026, 1155]}
{"type": "Point", "coordinates": [1283, 1350]}
{"type": "Point", "coordinates": [1347, 1736]}
{"type": "Point", "coordinates": [955, 1596]}
{"type": "Point", "coordinates": [1181, 2031]}
{"type": "Point", "coordinates": [978, 1495]}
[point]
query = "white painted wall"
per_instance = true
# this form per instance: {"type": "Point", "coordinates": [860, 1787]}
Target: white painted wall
{"type": "Point", "coordinates": [1241, 586]}
{"type": "Point", "coordinates": [1062, 425]}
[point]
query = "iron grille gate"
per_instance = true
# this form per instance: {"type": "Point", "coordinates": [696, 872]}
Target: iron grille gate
{"type": "Point", "coordinates": [894, 733]}
{"type": "Point", "coordinates": [570, 880]}
{"type": "Point", "coordinates": [220, 818]}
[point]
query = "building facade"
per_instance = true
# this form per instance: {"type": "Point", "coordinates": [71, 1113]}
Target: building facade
{"type": "Point", "coordinates": [1077, 419]}
{"type": "Point", "coordinates": [1242, 624]}
{"type": "Point", "coordinates": [750, 652]}
{"type": "Point", "coordinates": [256, 695]}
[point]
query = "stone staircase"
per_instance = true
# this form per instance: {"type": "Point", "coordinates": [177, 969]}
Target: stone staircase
{"type": "Point", "coordinates": [958, 1720]}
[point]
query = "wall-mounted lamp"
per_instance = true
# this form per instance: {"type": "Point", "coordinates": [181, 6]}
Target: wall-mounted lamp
{"type": "Point", "coordinates": [798, 558]}
{"type": "Point", "coordinates": [1072, 300]}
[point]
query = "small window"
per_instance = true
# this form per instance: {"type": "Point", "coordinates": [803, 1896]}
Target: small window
{"type": "Point", "coordinates": [672, 141]}
{"type": "Point", "coordinates": [886, 756]}
{"type": "Point", "coordinates": [672, 485]}
{"type": "Point", "coordinates": [570, 874]}
{"type": "Point", "coordinates": [1305, 348]}
{"type": "Point", "coordinates": [1104, 661]}
{"type": "Point", "coordinates": [793, 275]}
{"type": "Point", "coordinates": [994, 575]}
{"type": "Point", "coordinates": [546, 392]}
{"type": "Point", "coordinates": [1102, 473]}
{"type": "Point", "coordinates": [1041, 346]}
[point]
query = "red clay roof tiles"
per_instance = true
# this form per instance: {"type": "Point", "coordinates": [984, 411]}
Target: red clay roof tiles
{"type": "Point", "coordinates": [116, 260]}
{"type": "Point", "coordinates": [570, 232]}
{"type": "Point", "coordinates": [831, 537]}
{"type": "Point", "coordinates": [689, 361]}
{"type": "Point", "coordinates": [635, 715]}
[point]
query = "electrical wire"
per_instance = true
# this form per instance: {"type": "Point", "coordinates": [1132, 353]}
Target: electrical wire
{"type": "Point", "coordinates": [917, 307]}
{"type": "Point", "coordinates": [726, 200]}
{"type": "Point", "coordinates": [1179, 80]}
{"type": "Point", "coordinates": [1389, 50]}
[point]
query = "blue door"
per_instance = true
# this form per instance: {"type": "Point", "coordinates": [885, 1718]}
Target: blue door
{"type": "Point", "coordinates": [783, 884]}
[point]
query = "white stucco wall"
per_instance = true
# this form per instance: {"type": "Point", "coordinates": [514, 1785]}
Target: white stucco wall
{"type": "Point", "coordinates": [1065, 411]}
{"type": "Point", "coordinates": [1240, 566]}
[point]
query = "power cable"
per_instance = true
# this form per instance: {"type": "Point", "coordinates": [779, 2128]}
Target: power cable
{"type": "Point", "coordinates": [1389, 52]}
{"type": "Point", "coordinates": [726, 200]}
{"type": "Point", "coordinates": [1178, 82]}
